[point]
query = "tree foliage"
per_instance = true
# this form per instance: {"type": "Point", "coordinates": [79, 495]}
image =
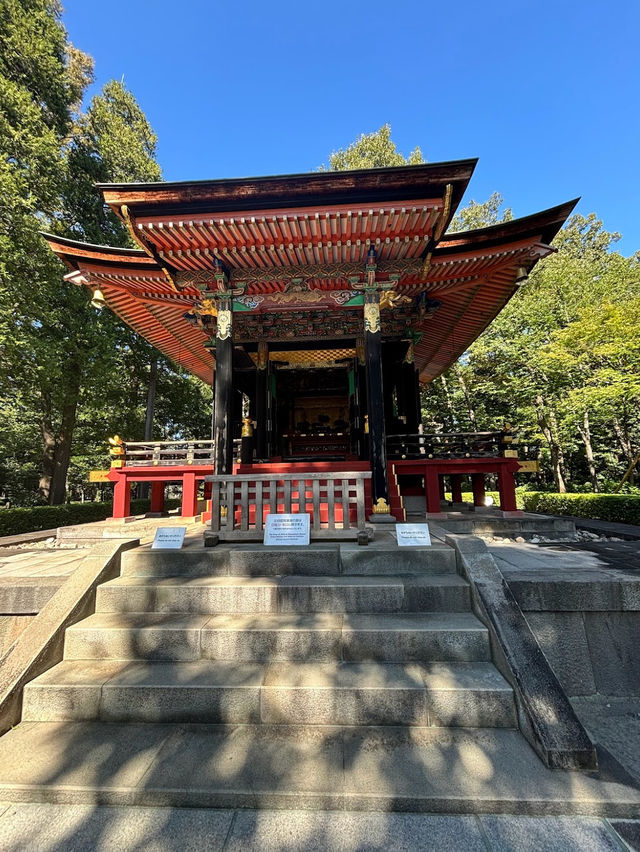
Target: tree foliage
{"type": "Point", "coordinates": [69, 376]}
{"type": "Point", "coordinates": [480, 214]}
{"type": "Point", "coordinates": [372, 151]}
{"type": "Point", "coordinates": [561, 361]}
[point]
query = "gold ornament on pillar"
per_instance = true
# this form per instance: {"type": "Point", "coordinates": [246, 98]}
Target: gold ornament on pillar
{"type": "Point", "coordinates": [263, 356]}
{"type": "Point", "coordinates": [207, 307]}
{"type": "Point", "coordinates": [372, 317]}
{"type": "Point", "coordinates": [391, 298]}
{"type": "Point", "coordinates": [247, 427]}
{"type": "Point", "coordinates": [224, 324]}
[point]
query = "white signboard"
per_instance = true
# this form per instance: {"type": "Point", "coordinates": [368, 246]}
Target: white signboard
{"type": "Point", "coordinates": [287, 529]}
{"type": "Point", "coordinates": [169, 538]}
{"type": "Point", "coordinates": [413, 535]}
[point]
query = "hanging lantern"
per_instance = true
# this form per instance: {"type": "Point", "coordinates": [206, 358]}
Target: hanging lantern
{"type": "Point", "coordinates": [97, 299]}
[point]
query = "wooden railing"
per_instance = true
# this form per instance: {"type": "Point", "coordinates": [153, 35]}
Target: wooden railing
{"type": "Point", "coordinates": [448, 445]}
{"type": "Point", "coordinates": [169, 453]}
{"type": "Point", "coordinates": [335, 502]}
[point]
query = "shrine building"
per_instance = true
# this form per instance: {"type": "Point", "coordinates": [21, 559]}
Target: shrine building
{"type": "Point", "coordinates": [316, 304]}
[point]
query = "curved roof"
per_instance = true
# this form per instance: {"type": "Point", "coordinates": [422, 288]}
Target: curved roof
{"type": "Point", "coordinates": [366, 186]}
{"type": "Point", "coordinates": [469, 276]}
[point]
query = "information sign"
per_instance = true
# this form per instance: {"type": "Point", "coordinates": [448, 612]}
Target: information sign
{"type": "Point", "coordinates": [287, 529]}
{"type": "Point", "coordinates": [413, 535]}
{"type": "Point", "coordinates": [169, 538]}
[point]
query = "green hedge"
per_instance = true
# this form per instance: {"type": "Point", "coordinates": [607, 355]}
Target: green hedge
{"type": "Point", "coordinates": [35, 518]}
{"type": "Point", "coordinates": [618, 508]}
{"type": "Point", "coordinates": [467, 497]}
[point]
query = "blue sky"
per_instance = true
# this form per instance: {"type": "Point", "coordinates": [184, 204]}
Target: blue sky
{"type": "Point", "coordinates": [544, 93]}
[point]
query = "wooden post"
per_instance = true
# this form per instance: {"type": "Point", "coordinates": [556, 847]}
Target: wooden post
{"type": "Point", "coordinates": [389, 383]}
{"type": "Point", "coordinates": [456, 488]}
{"type": "Point", "coordinates": [375, 398]}
{"type": "Point", "coordinates": [441, 488]}
{"type": "Point", "coordinates": [477, 483]}
{"type": "Point", "coordinates": [507, 489]}
{"type": "Point", "coordinates": [157, 496]}
{"type": "Point", "coordinates": [213, 403]}
{"type": "Point", "coordinates": [262, 373]}
{"type": "Point", "coordinates": [121, 498]}
{"type": "Point", "coordinates": [189, 495]}
{"type": "Point", "coordinates": [246, 441]}
{"type": "Point", "coordinates": [411, 392]}
{"type": "Point", "coordinates": [223, 435]}
{"type": "Point", "coordinates": [361, 386]}
{"type": "Point", "coordinates": [432, 491]}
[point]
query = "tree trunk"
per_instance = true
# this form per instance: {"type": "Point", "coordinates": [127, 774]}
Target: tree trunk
{"type": "Point", "coordinates": [144, 488]}
{"type": "Point", "coordinates": [549, 427]}
{"type": "Point", "coordinates": [585, 434]}
{"type": "Point", "coordinates": [151, 398]}
{"type": "Point", "coordinates": [48, 445]}
{"type": "Point", "coordinates": [467, 397]}
{"type": "Point", "coordinates": [622, 435]}
{"type": "Point", "coordinates": [64, 440]}
{"type": "Point", "coordinates": [450, 408]}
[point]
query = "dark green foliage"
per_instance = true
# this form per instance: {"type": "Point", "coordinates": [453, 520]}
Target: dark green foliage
{"type": "Point", "coordinates": [15, 521]}
{"type": "Point", "coordinates": [69, 376]}
{"type": "Point", "coordinates": [618, 508]}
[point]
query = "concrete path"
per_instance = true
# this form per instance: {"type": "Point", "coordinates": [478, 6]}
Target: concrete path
{"type": "Point", "coordinates": [610, 562]}
{"type": "Point", "coordinates": [76, 828]}
{"type": "Point", "coordinates": [631, 531]}
{"type": "Point", "coordinates": [39, 563]}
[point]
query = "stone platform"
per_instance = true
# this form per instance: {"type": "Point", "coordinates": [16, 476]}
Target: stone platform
{"type": "Point", "coordinates": [76, 828]}
{"type": "Point", "coordinates": [492, 522]}
{"type": "Point", "coordinates": [326, 678]}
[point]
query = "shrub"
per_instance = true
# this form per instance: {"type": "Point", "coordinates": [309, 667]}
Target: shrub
{"type": "Point", "coordinates": [35, 518]}
{"type": "Point", "coordinates": [467, 497]}
{"type": "Point", "coordinates": [618, 508]}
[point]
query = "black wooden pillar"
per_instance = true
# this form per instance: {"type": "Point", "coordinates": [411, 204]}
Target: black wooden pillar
{"type": "Point", "coordinates": [389, 375]}
{"type": "Point", "coordinates": [375, 399]}
{"type": "Point", "coordinates": [411, 392]}
{"type": "Point", "coordinates": [213, 403]}
{"type": "Point", "coordinates": [361, 399]}
{"type": "Point", "coordinates": [223, 412]}
{"type": "Point", "coordinates": [262, 374]}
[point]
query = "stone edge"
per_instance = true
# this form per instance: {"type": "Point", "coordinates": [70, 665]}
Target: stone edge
{"type": "Point", "coordinates": [545, 714]}
{"type": "Point", "coordinates": [41, 644]}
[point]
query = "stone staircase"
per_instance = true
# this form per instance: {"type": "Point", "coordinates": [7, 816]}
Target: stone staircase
{"type": "Point", "coordinates": [326, 677]}
{"type": "Point", "coordinates": [319, 648]}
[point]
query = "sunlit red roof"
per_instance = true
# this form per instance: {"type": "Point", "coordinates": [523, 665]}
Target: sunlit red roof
{"type": "Point", "coordinates": [319, 227]}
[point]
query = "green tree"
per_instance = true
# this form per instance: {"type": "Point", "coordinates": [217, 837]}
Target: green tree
{"type": "Point", "coordinates": [66, 370]}
{"type": "Point", "coordinates": [112, 141]}
{"type": "Point", "coordinates": [372, 151]}
{"type": "Point", "coordinates": [41, 81]}
{"type": "Point", "coordinates": [481, 214]}
{"type": "Point", "coordinates": [561, 361]}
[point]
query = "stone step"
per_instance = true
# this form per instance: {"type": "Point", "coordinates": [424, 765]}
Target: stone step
{"type": "Point", "coordinates": [256, 560]}
{"type": "Point", "coordinates": [284, 594]}
{"type": "Point", "coordinates": [419, 769]}
{"type": "Point", "coordinates": [439, 694]}
{"type": "Point", "coordinates": [283, 637]}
